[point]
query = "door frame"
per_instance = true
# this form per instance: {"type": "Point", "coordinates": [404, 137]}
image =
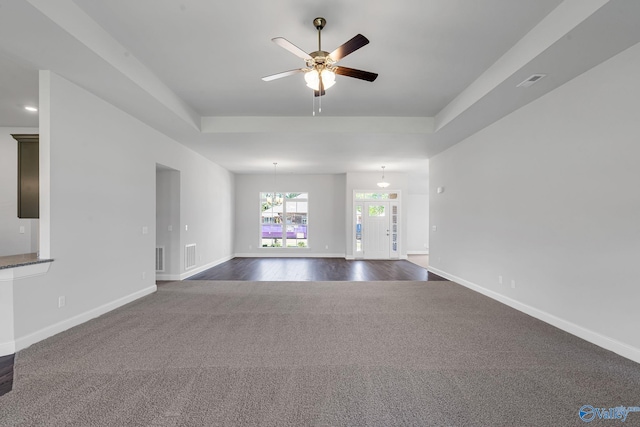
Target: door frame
{"type": "Point", "coordinates": [395, 205]}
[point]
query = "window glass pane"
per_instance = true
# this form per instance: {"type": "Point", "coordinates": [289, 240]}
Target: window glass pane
{"type": "Point", "coordinates": [376, 211]}
{"type": "Point", "coordinates": [359, 228]}
{"type": "Point", "coordinates": [284, 219]}
{"type": "Point", "coordinates": [376, 196]}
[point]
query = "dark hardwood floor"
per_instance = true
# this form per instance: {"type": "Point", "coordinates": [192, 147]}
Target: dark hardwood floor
{"type": "Point", "coordinates": [315, 269]}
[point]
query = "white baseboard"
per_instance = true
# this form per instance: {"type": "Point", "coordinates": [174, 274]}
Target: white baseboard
{"type": "Point", "coordinates": [192, 271]}
{"type": "Point", "coordinates": [418, 252]}
{"type": "Point", "coordinates": [593, 337]}
{"type": "Point", "coordinates": [270, 253]}
{"type": "Point", "coordinates": [24, 342]}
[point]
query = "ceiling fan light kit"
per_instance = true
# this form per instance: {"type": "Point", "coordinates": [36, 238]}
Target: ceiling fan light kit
{"type": "Point", "coordinates": [313, 77]}
{"type": "Point", "coordinates": [321, 69]}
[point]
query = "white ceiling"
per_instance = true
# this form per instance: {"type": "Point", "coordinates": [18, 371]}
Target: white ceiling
{"type": "Point", "coordinates": [192, 69]}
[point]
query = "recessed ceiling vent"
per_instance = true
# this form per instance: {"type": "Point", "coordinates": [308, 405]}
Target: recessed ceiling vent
{"type": "Point", "coordinates": [531, 80]}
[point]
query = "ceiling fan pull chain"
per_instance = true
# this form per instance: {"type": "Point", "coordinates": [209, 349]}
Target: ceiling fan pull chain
{"type": "Point", "coordinates": [320, 104]}
{"type": "Point", "coordinates": [313, 103]}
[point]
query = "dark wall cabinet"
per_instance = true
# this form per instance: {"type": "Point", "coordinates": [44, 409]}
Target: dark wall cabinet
{"type": "Point", "coordinates": [28, 175]}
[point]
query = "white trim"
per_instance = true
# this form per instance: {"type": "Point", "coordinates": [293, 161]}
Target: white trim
{"type": "Point", "coordinates": [278, 254]}
{"type": "Point", "coordinates": [196, 270]}
{"type": "Point", "coordinates": [398, 254]}
{"type": "Point", "coordinates": [418, 252]}
{"type": "Point", "coordinates": [7, 319]}
{"type": "Point", "coordinates": [593, 337]}
{"type": "Point", "coordinates": [34, 337]}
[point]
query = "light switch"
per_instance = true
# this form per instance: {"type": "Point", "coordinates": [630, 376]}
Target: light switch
{"type": "Point", "coordinates": [22, 229]}
{"type": "Point", "coordinates": [434, 228]}
{"type": "Point", "coordinates": [145, 230]}
{"type": "Point", "coordinates": [170, 228]}
{"type": "Point", "coordinates": [186, 228]}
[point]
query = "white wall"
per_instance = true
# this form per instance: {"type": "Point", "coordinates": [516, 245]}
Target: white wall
{"type": "Point", "coordinates": [548, 197]}
{"type": "Point", "coordinates": [326, 213]}
{"type": "Point", "coordinates": [102, 190]}
{"type": "Point", "coordinates": [12, 242]}
{"type": "Point", "coordinates": [417, 207]}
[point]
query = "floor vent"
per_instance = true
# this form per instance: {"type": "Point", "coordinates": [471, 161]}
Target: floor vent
{"type": "Point", "coordinates": [189, 256]}
{"type": "Point", "coordinates": [160, 258]}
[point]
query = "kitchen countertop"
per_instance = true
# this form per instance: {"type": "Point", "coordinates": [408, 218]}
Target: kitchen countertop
{"type": "Point", "coordinates": [12, 261]}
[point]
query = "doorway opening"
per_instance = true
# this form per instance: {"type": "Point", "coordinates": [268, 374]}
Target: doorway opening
{"type": "Point", "coordinates": [167, 248]}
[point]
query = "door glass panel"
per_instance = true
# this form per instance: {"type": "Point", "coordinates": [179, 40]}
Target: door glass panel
{"type": "Point", "coordinates": [376, 210]}
{"type": "Point", "coordinates": [359, 228]}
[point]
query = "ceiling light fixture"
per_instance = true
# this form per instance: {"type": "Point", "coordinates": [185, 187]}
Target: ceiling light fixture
{"type": "Point", "coordinates": [276, 199]}
{"type": "Point", "coordinates": [32, 109]}
{"type": "Point", "coordinates": [312, 77]}
{"type": "Point", "coordinates": [321, 69]}
{"type": "Point", "coordinates": [383, 183]}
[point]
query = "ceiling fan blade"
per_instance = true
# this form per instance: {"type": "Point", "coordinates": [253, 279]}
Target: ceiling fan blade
{"type": "Point", "coordinates": [358, 74]}
{"type": "Point", "coordinates": [281, 75]}
{"type": "Point", "coordinates": [349, 47]}
{"type": "Point", "coordinates": [282, 42]}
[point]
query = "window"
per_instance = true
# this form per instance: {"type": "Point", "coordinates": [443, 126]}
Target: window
{"type": "Point", "coordinates": [284, 220]}
{"type": "Point", "coordinates": [376, 196]}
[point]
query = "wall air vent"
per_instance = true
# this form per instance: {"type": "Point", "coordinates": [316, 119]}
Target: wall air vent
{"type": "Point", "coordinates": [160, 258]}
{"type": "Point", "coordinates": [189, 256]}
{"type": "Point", "coordinates": [531, 80]}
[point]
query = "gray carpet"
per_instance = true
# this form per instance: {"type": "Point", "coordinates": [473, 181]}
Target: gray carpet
{"type": "Point", "coordinates": [316, 354]}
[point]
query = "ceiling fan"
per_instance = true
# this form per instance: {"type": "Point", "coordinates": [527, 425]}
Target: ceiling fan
{"type": "Point", "coordinates": [321, 69]}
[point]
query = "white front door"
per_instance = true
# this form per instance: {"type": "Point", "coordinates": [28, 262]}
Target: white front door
{"type": "Point", "coordinates": [376, 230]}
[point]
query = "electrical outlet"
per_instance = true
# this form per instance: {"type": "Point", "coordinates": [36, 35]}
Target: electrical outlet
{"type": "Point", "coordinates": [144, 275]}
{"type": "Point", "coordinates": [170, 228]}
{"type": "Point", "coordinates": [513, 284]}
{"type": "Point", "coordinates": [250, 247]}
{"type": "Point", "coordinates": [500, 280]}
{"type": "Point", "coordinates": [61, 302]}
{"type": "Point", "coordinates": [434, 228]}
{"type": "Point", "coordinates": [326, 247]}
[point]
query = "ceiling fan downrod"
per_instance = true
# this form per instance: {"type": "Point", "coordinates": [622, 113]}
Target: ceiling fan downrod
{"type": "Point", "coordinates": [319, 23]}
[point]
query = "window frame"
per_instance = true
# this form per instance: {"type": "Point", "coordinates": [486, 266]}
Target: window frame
{"type": "Point", "coordinates": [304, 221]}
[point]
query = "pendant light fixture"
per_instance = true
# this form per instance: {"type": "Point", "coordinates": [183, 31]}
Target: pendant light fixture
{"type": "Point", "coordinates": [276, 200]}
{"type": "Point", "coordinates": [383, 183]}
